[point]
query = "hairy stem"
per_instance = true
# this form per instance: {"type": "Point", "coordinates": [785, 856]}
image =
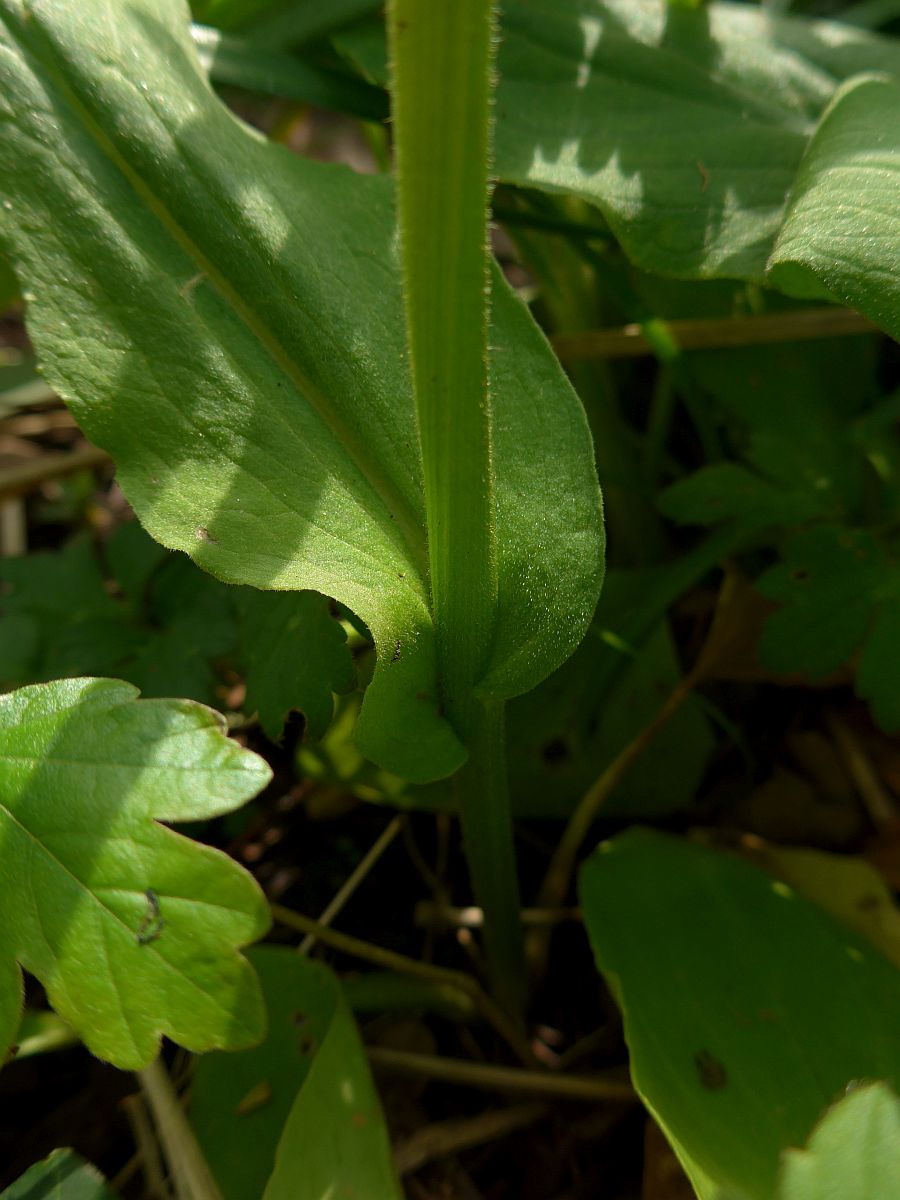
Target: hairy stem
{"type": "Point", "coordinates": [441, 53]}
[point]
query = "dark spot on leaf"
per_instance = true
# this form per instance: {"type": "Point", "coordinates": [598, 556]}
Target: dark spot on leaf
{"type": "Point", "coordinates": [555, 752]}
{"type": "Point", "coordinates": [396, 651]}
{"type": "Point", "coordinates": [259, 1094]}
{"type": "Point", "coordinates": [800, 574]}
{"type": "Point", "coordinates": [307, 1044]}
{"type": "Point", "coordinates": [710, 1071]}
{"type": "Point", "coordinates": [360, 1120]}
{"type": "Point", "coordinates": [152, 924]}
{"type": "Point", "coordinates": [299, 1018]}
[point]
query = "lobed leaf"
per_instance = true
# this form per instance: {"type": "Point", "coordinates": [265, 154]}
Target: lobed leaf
{"type": "Point", "coordinates": [226, 320]}
{"type": "Point", "coordinates": [131, 928]}
{"type": "Point", "coordinates": [297, 657]}
{"type": "Point", "coordinates": [839, 590]}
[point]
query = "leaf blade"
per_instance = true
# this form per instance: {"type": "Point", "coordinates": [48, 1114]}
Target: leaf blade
{"type": "Point", "coordinates": [132, 928]}
{"type": "Point", "coordinates": [733, 989]}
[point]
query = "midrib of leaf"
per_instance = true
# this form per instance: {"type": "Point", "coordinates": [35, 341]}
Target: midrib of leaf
{"type": "Point", "coordinates": [407, 528]}
{"type": "Point", "coordinates": [82, 886]}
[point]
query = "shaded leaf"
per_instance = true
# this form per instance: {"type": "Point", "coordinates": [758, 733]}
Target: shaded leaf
{"type": "Point", "coordinates": [151, 618]}
{"type": "Point", "coordinates": [63, 1175]}
{"type": "Point", "coordinates": [299, 1112]}
{"type": "Point", "coordinates": [735, 992]}
{"type": "Point", "coordinates": [689, 129]}
{"type": "Point", "coordinates": [244, 63]}
{"type": "Point", "coordinates": [564, 733]}
{"type": "Point", "coordinates": [264, 291]}
{"type": "Point", "coordinates": [131, 928]}
{"type": "Point", "coordinates": [727, 491]}
{"type": "Point", "coordinates": [839, 592]}
{"type": "Point", "coordinates": [296, 655]}
{"type": "Point", "coordinates": [852, 1152]}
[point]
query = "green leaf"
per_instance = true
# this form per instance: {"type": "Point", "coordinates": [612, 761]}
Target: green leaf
{"type": "Point", "coordinates": [242, 63]}
{"type": "Point", "coordinates": [735, 992]}
{"type": "Point", "coordinates": [131, 928]}
{"type": "Point", "coordinates": [727, 491]}
{"type": "Point", "coordinates": [852, 1152]}
{"type": "Point", "coordinates": [162, 628]}
{"type": "Point", "coordinates": [299, 1112]}
{"type": "Point", "coordinates": [296, 655]}
{"type": "Point", "coordinates": [254, 299]}
{"type": "Point", "coordinates": [829, 582]}
{"type": "Point", "coordinates": [61, 1176]}
{"type": "Point", "coordinates": [564, 733]}
{"type": "Point", "coordinates": [843, 219]}
{"type": "Point", "coordinates": [689, 130]}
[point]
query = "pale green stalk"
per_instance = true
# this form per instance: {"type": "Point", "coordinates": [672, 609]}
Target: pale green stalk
{"type": "Point", "coordinates": [442, 60]}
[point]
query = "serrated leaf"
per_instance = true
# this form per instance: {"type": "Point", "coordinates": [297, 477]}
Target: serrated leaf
{"type": "Point", "coordinates": [161, 630]}
{"type": "Point", "coordinates": [735, 992]}
{"type": "Point", "coordinates": [63, 1175]}
{"type": "Point", "coordinates": [132, 929]}
{"type": "Point", "coordinates": [298, 1113]}
{"type": "Point", "coordinates": [264, 291]}
{"type": "Point", "coordinates": [852, 1152]}
{"type": "Point", "coordinates": [297, 657]}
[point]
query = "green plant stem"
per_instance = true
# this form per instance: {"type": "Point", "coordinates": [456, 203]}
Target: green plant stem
{"type": "Point", "coordinates": [594, 1089]}
{"type": "Point", "coordinates": [482, 795]}
{"type": "Point", "coordinates": [190, 1171]}
{"type": "Point", "coordinates": [441, 53]}
{"type": "Point", "coordinates": [710, 333]}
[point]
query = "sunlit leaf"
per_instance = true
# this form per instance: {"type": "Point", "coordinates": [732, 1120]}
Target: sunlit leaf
{"type": "Point", "coordinates": [226, 319]}
{"type": "Point", "coordinates": [132, 929]}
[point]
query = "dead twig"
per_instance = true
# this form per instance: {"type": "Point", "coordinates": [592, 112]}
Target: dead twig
{"type": "Point", "coordinates": [448, 1137]}
{"type": "Point", "coordinates": [19, 480]}
{"type": "Point", "coordinates": [392, 961]}
{"type": "Point", "coordinates": [368, 861]}
{"type": "Point", "coordinates": [707, 333]}
{"type": "Point", "coordinates": [489, 1077]}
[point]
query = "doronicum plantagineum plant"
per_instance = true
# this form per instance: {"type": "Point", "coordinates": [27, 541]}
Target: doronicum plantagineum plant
{"type": "Point", "coordinates": [314, 380]}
